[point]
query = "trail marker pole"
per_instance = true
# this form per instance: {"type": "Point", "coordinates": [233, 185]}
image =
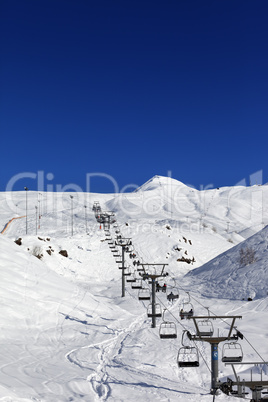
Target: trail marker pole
{"type": "Point", "coordinates": [86, 216]}
{"type": "Point", "coordinates": [71, 196]}
{"type": "Point", "coordinates": [36, 220]}
{"type": "Point", "coordinates": [26, 189]}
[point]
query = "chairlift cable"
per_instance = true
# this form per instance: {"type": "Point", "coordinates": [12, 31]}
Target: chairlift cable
{"type": "Point", "coordinates": [254, 349]}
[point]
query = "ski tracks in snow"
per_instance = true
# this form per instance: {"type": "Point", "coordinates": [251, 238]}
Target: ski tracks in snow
{"type": "Point", "coordinates": [107, 353]}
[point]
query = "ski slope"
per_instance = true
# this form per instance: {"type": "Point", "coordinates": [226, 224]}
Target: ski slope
{"type": "Point", "coordinates": [68, 335]}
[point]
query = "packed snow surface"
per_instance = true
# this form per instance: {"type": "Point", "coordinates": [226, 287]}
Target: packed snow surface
{"type": "Point", "coordinates": [67, 334]}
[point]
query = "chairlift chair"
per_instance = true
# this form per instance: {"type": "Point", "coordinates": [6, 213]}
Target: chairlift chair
{"type": "Point", "coordinates": [188, 357]}
{"type": "Point", "coordinates": [205, 328]}
{"type": "Point", "coordinates": [171, 296]}
{"type": "Point", "coordinates": [168, 330]}
{"type": "Point", "coordinates": [127, 271]}
{"type": "Point", "coordinates": [129, 248]}
{"type": "Point", "coordinates": [131, 279]}
{"type": "Point", "coordinates": [232, 353]}
{"type": "Point", "coordinates": [144, 294]}
{"type": "Point", "coordinates": [187, 310]}
{"type": "Point", "coordinates": [158, 311]}
{"type": "Point", "coordinates": [137, 284]}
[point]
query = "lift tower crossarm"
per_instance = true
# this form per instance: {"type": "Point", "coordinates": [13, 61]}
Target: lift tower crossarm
{"type": "Point", "coordinates": [157, 265]}
{"type": "Point", "coordinates": [214, 317]}
{"type": "Point", "coordinates": [123, 242]}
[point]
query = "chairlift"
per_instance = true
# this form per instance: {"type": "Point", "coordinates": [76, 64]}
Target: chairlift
{"type": "Point", "coordinates": [144, 294]}
{"type": "Point", "coordinates": [159, 287]}
{"type": "Point", "coordinates": [167, 329]}
{"type": "Point", "coordinates": [131, 279]}
{"type": "Point", "coordinates": [186, 310]}
{"type": "Point", "coordinates": [129, 248]}
{"type": "Point", "coordinates": [158, 311]}
{"type": "Point", "coordinates": [101, 218]}
{"type": "Point", "coordinates": [188, 357]}
{"type": "Point", "coordinates": [96, 205]}
{"type": "Point", "coordinates": [232, 353]}
{"type": "Point", "coordinates": [137, 284]}
{"type": "Point", "coordinates": [171, 296]}
{"type": "Point", "coordinates": [127, 271]}
{"type": "Point", "coordinates": [205, 328]}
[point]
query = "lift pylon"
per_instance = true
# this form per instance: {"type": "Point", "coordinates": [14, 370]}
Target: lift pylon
{"type": "Point", "coordinates": [214, 343]}
{"type": "Point", "coordinates": [256, 386]}
{"type": "Point", "coordinates": [152, 277]}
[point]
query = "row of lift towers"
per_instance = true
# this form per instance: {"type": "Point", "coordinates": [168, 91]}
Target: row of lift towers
{"type": "Point", "coordinates": [188, 355]}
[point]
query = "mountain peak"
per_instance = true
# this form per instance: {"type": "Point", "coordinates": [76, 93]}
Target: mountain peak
{"type": "Point", "coordinates": [159, 181]}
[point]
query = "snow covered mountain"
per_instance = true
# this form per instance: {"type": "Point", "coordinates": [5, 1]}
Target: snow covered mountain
{"type": "Point", "coordinates": [66, 332]}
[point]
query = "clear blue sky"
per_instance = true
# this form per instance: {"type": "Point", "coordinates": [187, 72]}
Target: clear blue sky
{"type": "Point", "coordinates": [133, 88]}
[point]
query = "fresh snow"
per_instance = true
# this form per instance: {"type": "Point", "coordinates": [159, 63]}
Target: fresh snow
{"type": "Point", "coordinates": [66, 332]}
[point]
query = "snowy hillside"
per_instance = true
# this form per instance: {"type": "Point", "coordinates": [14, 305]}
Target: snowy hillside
{"type": "Point", "coordinates": [239, 273]}
{"type": "Point", "coordinates": [66, 332]}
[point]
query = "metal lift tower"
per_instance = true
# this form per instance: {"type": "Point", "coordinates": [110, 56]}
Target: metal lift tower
{"type": "Point", "coordinates": [214, 342]}
{"type": "Point", "coordinates": [153, 276]}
